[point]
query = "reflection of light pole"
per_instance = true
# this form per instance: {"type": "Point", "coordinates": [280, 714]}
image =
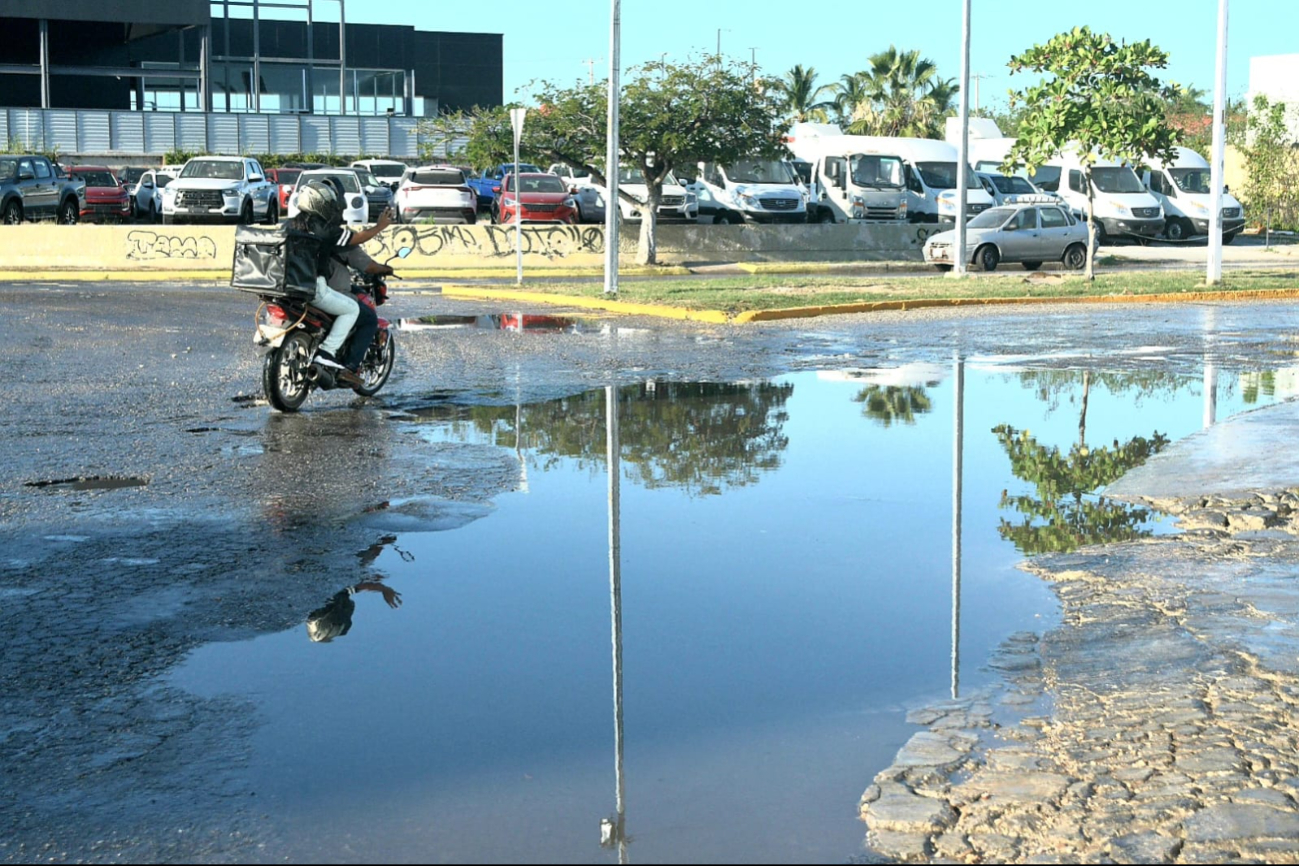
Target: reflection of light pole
{"type": "Point", "coordinates": [613, 830]}
{"type": "Point", "coordinates": [1210, 370]}
{"type": "Point", "coordinates": [958, 437]}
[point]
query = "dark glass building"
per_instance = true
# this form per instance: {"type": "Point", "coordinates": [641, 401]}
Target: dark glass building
{"type": "Point", "coordinates": [261, 56]}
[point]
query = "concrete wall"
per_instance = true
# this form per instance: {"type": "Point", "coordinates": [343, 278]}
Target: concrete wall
{"type": "Point", "coordinates": [47, 247]}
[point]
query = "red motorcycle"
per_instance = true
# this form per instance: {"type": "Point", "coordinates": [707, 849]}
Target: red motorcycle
{"type": "Point", "coordinates": [293, 329]}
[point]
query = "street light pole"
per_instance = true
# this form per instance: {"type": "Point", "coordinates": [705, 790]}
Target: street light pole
{"type": "Point", "coordinates": [516, 121]}
{"type": "Point", "coordinates": [611, 153]}
{"type": "Point", "coordinates": [1213, 276]}
{"type": "Point", "coordinates": [963, 166]}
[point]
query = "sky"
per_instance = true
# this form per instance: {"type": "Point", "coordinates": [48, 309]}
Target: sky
{"type": "Point", "coordinates": [553, 41]}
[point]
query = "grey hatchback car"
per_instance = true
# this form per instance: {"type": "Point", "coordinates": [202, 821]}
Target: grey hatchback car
{"type": "Point", "coordinates": [1029, 233]}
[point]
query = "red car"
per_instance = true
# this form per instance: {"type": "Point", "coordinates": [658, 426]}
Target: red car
{"type": "Point", "coordinates": [106, 197]}
{"type": "Point", "coordinates": [284, 179]}
{"type": "Point", "coordinates": [544, 199]}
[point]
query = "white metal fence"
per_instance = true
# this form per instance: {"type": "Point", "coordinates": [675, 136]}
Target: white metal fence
{"type": "Point", "coordinates": [135, 133]}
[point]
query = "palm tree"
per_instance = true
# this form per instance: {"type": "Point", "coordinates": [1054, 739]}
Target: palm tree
{"type": "Point", "coordinates": [893, 404]}
{"type": "Point", "coordinates": [802, 98]}
{"type": "Point", "coordinates": [905, 96]}
{"type": "Point", "coordinates": [852, 100]}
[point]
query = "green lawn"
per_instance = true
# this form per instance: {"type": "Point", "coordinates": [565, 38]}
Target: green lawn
{"type": "Point", "coordinates": [775, 292]}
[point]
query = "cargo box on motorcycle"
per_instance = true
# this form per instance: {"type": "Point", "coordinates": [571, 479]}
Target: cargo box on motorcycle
{"type": "Point", "coordinates": [276, 262]}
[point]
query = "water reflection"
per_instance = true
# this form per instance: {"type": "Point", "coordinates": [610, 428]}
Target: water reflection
{"type": "Point", "coordinates": [496, 322]}
{"type": "Point", "coordinates": [334, 618]}
{"type": "Point", "coordinates": [613, 831]}
{"type": "Point", "coordinates": [894, 404]}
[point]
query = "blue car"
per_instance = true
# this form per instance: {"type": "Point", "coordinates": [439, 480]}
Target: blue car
{"type": "Point", "coordinates": [488, 182]}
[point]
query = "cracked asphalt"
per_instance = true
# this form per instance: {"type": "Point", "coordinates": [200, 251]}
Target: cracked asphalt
{"type": "Point", "coordinates": [215, 519]}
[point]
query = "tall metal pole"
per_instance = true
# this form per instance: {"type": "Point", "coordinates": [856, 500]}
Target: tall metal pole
{"type": "Point", "coordinates": [257, 57]}
{"type": "Point", "coordinates": [516, 121]}
{"type": "Point", "coordinates": [1213, 276]}
{"type": "Point", "coordinates": [963, 166]}
{"type": "Point", "coordinates": [342, 59]}
{"type": "Point", "coordinates": [44, 48]}
{"type": "Point", "coordinates": [958, 440]}
{"type": "Point", "coordinates": [611, 209]}
{"type": "Point", "coordinates": [613, 448]}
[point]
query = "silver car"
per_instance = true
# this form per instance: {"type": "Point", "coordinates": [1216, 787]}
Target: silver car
{"type": "Point", "coordinates": [1029, 233]}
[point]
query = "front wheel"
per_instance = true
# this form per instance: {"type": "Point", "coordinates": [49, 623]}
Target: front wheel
{"type": "Point", "coordinates": [1229, 237]}
{"type": "Point", "coordinates": [725, 218]}
{"type": "Point", "coordinates": [284, 373]}
{"type": "Point", "coordinates": [13, 213]}
{"type": "Point", "coordinates": [1177, 229]}
{"type": "Point", "coordinates": [246, 214]}
{"type": "Point", "coordinates": [378, 363]}
{"type": "Point", "coordinates": [272, 213]}
{"type": "Point", "coordinates": [68, 212]}
{"type": "Point", "coordinates": [988, 258]}
{"type": "Point", "coordinates": [1075, 258]}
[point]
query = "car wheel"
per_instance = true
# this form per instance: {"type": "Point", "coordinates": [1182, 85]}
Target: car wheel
{"type": "Point", "coordinates": [988, 258]}
{"type": "Point", "coordinates": [1102, 236]}
{"type": "Point", "coordinates": [153, 213]}
{"type": "Point", "coordinates": [725, 218]}
{"type": "Point", "coordinates": [272, 214]}
{"type": "Point", "coordinates": [1177, 229]}
{"type": "Point", "coordinates": [68, 212]}
{"type": "Point", "coordinates": [825, 215]}
{"type": "Point", "coordinates": [13, 214]}
{"type": "Point", "coordinates": [1075, 257]}
{"type": "Point", "coordinates": [1229, 237]}
{"type": "Point", "coordinates": [1031, 266]}
{"type": "Point", "coordinates": [246, 214]}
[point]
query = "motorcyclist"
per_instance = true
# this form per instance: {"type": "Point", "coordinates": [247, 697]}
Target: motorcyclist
{"type": "Point", "coordinates": [320, 212]}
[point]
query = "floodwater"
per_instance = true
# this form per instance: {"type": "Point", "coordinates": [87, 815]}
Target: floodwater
{"type": "Point", "coordinates": [710, 659]}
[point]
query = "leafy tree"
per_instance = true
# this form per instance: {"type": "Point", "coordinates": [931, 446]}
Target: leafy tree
{"type": "Point", "coordinates": [800, 97]}
{"type": "Point", "coordinates": [1270, 194]}
{"type": "Point", "coordinates": [1065, 513]}
{"type": "Point", "coordinates": [1100, 100]}
{"type": "Point", "coordinates": [904, 96]}
{"type": "Point", "coordinates": [893, 404]}
{"type": "Point", "coordinates": [670, 115]}
{"type": "Point", "coordinates": [852, 99]}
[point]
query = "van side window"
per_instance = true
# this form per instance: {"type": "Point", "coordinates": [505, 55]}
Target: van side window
{"type": "Point", "coordinates": [1076, 181]}
{"type": "Point", "coordinates": [1052, 218]}
{"type": "Point", "coordinates": [42, 169]}
{"type": "Point", "coordinates": [913, 179]}
{"type": "Point", "coordinates": [835, 168]}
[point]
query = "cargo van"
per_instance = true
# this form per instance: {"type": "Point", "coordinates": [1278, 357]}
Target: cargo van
{"type": "Point", "coordinates": [1124, 207]}
{"type": "Point", "coordinates": [1182, 188]}
{"type": "Point", "coordinates": [849, 178]}
{"type": "Point", "coordinates": [749, 190]}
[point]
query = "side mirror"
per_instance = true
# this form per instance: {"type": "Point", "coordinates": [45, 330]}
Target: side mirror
{"type": "Point", "coordinates": [26, 174]}
{"type": "Point", "coordinates": [255, 178]}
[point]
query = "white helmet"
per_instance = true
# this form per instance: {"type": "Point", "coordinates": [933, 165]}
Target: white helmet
{"type": "Point", "coordinates": [319, 200]}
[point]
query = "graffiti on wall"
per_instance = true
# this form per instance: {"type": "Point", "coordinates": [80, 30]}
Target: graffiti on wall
{"type": "Point", "coordinates": [150, 245]}
{"type": "Point", "coordinates": [491, 241]}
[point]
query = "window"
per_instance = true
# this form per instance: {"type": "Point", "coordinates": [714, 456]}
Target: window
{"type": "Point", "coordinates": [1076, 181]}
{"type": "Point", "coordinates": [437, 177]}
{"type": "Point", "coordinates": [1024, 220]}
{"type": "Point", "coordinates": [43, 170]}
{"type": "Point", "coordinates": [835, 169]}
{"type": "Point", "coordinates": [1053, 218]}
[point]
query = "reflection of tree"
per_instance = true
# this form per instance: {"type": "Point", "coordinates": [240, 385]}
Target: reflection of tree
{"type": "Point", "coordinates": [1052, 385]}
{"type": "Point", "coordinates": [1060, 517]}
{"type": "Point", "coordinates": [890, 404]}
{"type": "Point", "coordinates": [1255, 384]}
{"type": "Point", "coordinates": [699, 436]}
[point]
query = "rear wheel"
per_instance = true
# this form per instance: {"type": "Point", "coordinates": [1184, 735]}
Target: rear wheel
{"type": "Point", "coordinates": [13, 213]}
{"type": "Point", "coordinates": [284, 373]}
{"type": "Point", "coordinates": [1031, 266]}
{"type": "Point", "coordinates": [377, 366]}
{"type": "Point", "coordinates": [68, 212]}
{"type": "Point", "coordinates": [988, 258]}
{"type": "Point", "coordinates": [1075, 258]}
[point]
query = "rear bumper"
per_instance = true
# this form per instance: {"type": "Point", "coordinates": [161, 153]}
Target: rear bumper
{"type": "Point", "coordinates": [438, 214]}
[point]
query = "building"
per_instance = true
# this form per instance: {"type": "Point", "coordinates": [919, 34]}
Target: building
{"type": "Point", "coordinates": [1276, 76]}
{"type": "Point", "coordinates": [205, 55]}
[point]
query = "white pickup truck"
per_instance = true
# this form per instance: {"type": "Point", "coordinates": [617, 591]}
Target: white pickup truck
{"type": "Point", "coordinates": [221, 189]}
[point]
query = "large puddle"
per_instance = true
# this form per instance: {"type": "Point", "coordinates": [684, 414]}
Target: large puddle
{"type": "Point", "coordinates": [709, 659]}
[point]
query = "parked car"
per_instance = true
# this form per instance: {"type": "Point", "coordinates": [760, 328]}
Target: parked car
{"type": "Point", "coordinates": [284, 179]}
{"type": "Point", "coordinates": [355, 209]}
{"type": "Point", "coordinates": [221, 189]}
{"type": "Point", "coordinates": [130, 176]}
{"type": "Point", "coordinates": [388, 172]}
{"type": "Point", "coordinates": [541, 197]}
{"type": "Point", "coordinates": [1007, 189]}
{"type": "Point", "coordinates": [378, 195]}
{"type": "Point", "coordinates": [147, 201]}
{"type": "Point", "coordinates": [1028, 233]}
{"type": "Point", "coordinates": [488, 183]}
{"type": "Point", "coordinates": [1182, 188]}
{"type": "Point", "coordinates": [106, 198]}
{"type": "Point", "coordinates": [437, 191]}
{"type": "Point", "coordinates": [32, 188]}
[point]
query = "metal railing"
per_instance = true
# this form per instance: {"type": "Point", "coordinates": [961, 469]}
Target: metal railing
{"type": "Point", "coordinates": [154, 133]}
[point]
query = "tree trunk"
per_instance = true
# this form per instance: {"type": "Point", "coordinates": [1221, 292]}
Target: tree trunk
{"type": "Point", "coordinates": [1082, 417]}
{"type": "Point", "coordinates": [1091, 226]}
{"type": "Point", "coordinates": [649, 217]}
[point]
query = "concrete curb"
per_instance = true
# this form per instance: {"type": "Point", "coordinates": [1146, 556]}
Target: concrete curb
{"type": "Point", "coordinates": [717, 317]}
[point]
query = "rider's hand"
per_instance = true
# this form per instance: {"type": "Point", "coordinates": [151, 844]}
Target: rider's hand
{"type": "Point", "coordinates": [385, 219]}
{"type": "Point", "coordinates": [392, 596]}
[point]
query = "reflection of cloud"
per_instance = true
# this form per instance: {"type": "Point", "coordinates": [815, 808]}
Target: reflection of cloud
{"type": "Point", "coordinates": [915, 375]}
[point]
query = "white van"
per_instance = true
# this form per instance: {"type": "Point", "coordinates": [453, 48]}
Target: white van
{"type": "Point", "coordinates": [1124, 207]}
{"type": "Point", "coordinates": [749, 190]}
{"type": "Point", "coordinates": [590, 197]}
{"type": "Point", "coordinates": [1182, 187]}
{"type": "Point", "coordinates": [849, 178]}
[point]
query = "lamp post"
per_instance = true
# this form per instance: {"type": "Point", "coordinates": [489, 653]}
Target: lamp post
{"type": "Point", "coordinates": [516, 121]}
{"type": "Point", "coordinates": [1213, 276]}
{"type": "Point", "coordinates": [963, 166]}
{"type": "Point", "coordinates": [611, 153]}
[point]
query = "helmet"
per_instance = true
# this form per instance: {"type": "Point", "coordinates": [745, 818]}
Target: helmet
{"type": "Point", "coordinates": [318, 199]}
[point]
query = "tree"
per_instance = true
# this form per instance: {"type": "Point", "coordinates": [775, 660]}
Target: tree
{"type": "Point", "coordinates": [890, 404]}
{"type": "Point", "coordinates": [1270, 193]}
{"type": "Point", "coordinates": [800, 97]}
{"type": "Point", "coordinates": [1100, 101]}
{"type": "Point", "coordinates": [904, 96]}
{"type": "Point", "coordinates": [670, 115]}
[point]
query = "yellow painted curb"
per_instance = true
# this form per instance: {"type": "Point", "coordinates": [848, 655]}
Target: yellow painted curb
{"type": "Point", "coordinates": [931, 303]}
{"type": "Point", "coordinates": [712, 316]}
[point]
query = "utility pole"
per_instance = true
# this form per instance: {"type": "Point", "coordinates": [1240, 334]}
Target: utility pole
{"type": "Point", "coordinates": [977, 76]}
{"type": "Point", "coordinates": [590, 74]}
{"type": "Point", "coordinates": [753, 63]}
{"type": "Point", "coordinates": [719, 44]}
{"type": "Point", "coordinates": [963, 166]}
{"type": "Point", "coordinates": [611, 211]}
{"type": "Point", "coordinates": [1213, 274]}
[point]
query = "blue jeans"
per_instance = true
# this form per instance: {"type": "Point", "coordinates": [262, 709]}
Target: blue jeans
{"type": "Point", "coordinates": [367, 323]}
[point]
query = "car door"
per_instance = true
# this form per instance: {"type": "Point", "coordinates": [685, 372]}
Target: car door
{"type": "Point", "coordinates": [144, 191]}
{"type": "Point", "coordinates": [1056, 232]}
{"type": "Point", "coordinates": [1021, 238]}
{"type": "Point", "coordinates": [43, 190]}
{"type": "Point", "coordinates": [261, 187]}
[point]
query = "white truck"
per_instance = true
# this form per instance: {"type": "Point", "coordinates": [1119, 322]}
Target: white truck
{"type": "Point", "coordinates": [749, 190]}
{"type": "Point", "coordinates": [221, 189]}
{"type": "Point", "coordinates": [674, 206]}
{"type": "Point", "coordinates": [850, 178]}
{"type": "Point", "coordinates": [1182, 188]}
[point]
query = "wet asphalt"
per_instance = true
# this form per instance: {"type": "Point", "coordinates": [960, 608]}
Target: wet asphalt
{"type": "Point", "coordinates": [151, 502]}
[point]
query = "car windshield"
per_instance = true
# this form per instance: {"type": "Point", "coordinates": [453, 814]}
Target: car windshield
{"type": "Point", "coordinates": [1012, 185]}
{"type": "Point", "coordinates": [1116, 179]}
{"type": "Point", "coordinates": [438, 177]}
{"type": "Point", "coordinates": [991, 218]}
{"type": "Point", "coordinates": [1191, 179]}
{"type": "Point", "coordinates": [869, 170]}
{"type": "Point", "coordinates": [760, 171]}
{"type": "Point", "coordinates": [133, 175]}
{"type": "Point", "coordinates": [635, 175]}
{"type": "Point", "coordinates": [96, 178]}
{"type": "Point", "coordinates": [385, 170]}
{"type": "Point", "coordinates": [288, 175]}
{"type": "Point", "coordinates": [8, 167]}
{"type": "Point", "coordinates": [366, 178]}
{"type": "Point", "coordinates": [543, 183]}
{"type": "Point", "coordinates": [218, 169]}
{"type": "Point", "coordinates": [1047, 177]}
{"type": "Point", "coordinates": [161, 180]}
{"type": "Point", "coordinates": [942, 175]}
{"type": "Point", "coordinates": [524, 168]}
{"type": "Point", "coordinates": [349, 181]}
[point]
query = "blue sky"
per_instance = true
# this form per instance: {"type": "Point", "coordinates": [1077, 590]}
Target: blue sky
{"type": "Point", "coordinates": [552, 40]}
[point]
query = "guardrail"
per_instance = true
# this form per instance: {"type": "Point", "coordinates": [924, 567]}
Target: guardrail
{"type": "Point", "coordinates": [153, 133]}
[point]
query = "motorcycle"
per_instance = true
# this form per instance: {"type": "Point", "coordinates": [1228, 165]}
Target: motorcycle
{"type": "Point", "coordinates": [293, 329]}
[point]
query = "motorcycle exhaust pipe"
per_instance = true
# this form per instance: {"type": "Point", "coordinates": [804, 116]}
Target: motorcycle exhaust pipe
{"type": "Point", "coordinates": [320, 377]}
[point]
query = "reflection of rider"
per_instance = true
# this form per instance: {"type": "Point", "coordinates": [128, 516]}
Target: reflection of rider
{"type": "Point", "coordinates": [334, 619]}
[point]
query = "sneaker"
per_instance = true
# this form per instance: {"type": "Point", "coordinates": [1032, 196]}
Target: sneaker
{"type": "Point", "coordinates": [327, 359]}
